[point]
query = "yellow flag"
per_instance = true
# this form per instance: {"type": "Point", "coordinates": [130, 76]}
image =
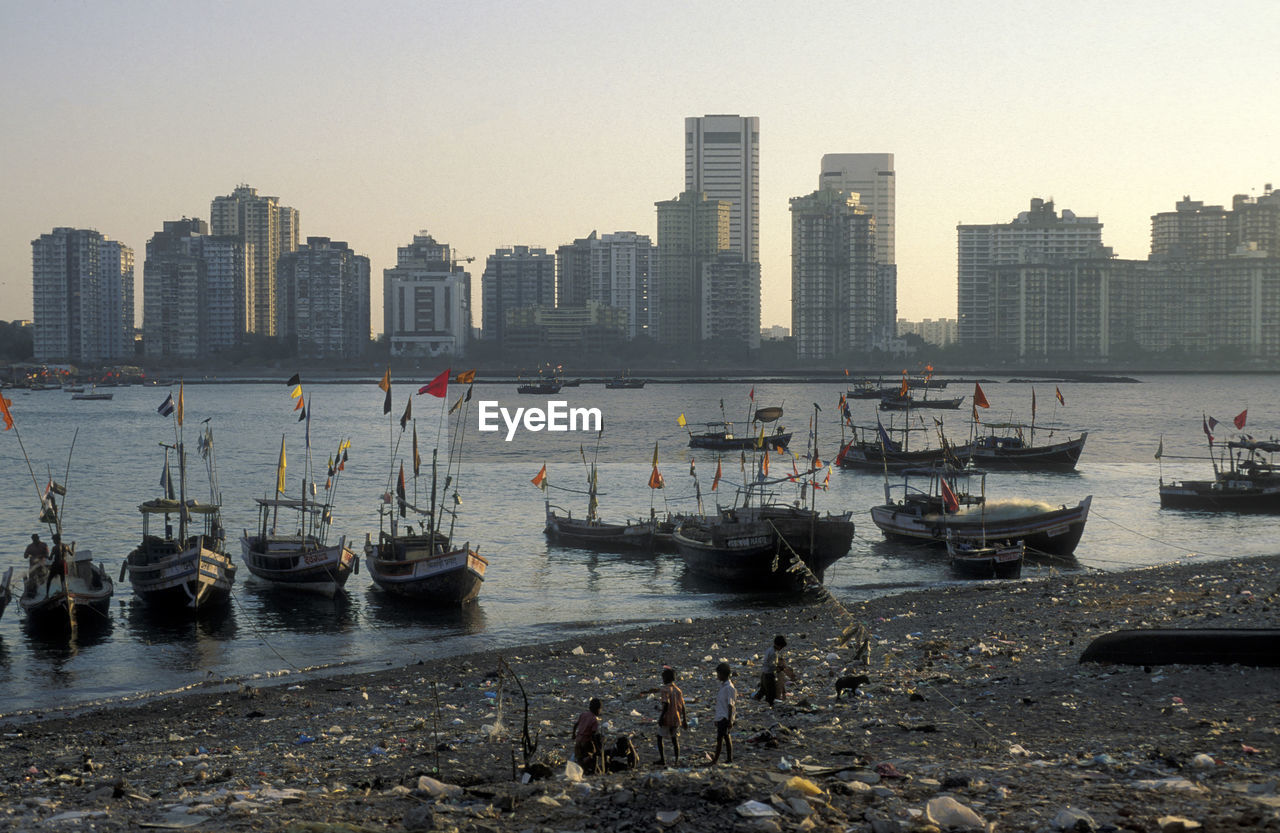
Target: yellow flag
{"type": "Point", "coordinates": [385, 384]}
{"type": "Point", "coordinates": [296, 392]}
{"type": "Point", "coordinates": [680, 420]}
{"type": "Point", "coordinates": [760, 439]}
{"type": "Point", "coordinates": [655, 455]}
{"type": "Point", "coordinates": [179, 408]}
{"type": "Point", "coordinates": [280, 467]}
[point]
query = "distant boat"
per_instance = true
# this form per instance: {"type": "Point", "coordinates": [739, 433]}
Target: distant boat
{"type": "Point", "coordinates": [1245, 480]}
{"type": "Point", "coordinates": [624, 382]}
{"type": "Point", "coordinates": [899, 402]}
{"type": "Point", "coordinates": [92, 394]}
{"type": "Point", "coordinates": [1010, 451]}
{"type": "Point", "coordinates": [719, 436]}
{"type": "Point", "coordinates": [539, 387]}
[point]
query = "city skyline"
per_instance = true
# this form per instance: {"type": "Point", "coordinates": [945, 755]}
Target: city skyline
{"type": "Point", "coordinates": [122, 120]}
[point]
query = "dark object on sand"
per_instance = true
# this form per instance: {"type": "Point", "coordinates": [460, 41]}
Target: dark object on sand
{"type": "Point", "coordinates": [1259, 647]}
{"type": "Point", "coordinates": [850, 684]}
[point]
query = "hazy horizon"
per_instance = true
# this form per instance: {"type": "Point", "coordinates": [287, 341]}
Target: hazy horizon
{"type": "Point", "coordinates": [500, 124]}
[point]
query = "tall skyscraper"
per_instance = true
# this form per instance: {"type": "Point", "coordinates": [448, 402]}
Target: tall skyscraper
{"type": "Point", "coordinates": [193, 286]}
{"type": "Point", "coordinates": [834, 302]}
{"type": "Point", "coordinates": [271, 229]}
{"type": "Point", "coordinates": [722, 160]}
{"type": "Point", "coordinates": [692, 231]}
{"type": "Point", "coordinates": [82, 297]}
{"type": "Point", "coordinates": [871, 176]}
{"type": "Point", "coordinates": [323, 299]}
{"type": "Point", "coordinates": [1038, 235]}
{"type": "Point", "coordinates": [573, 269]}
{"type": "Point", "coordinates": [514, 278]}
{"type": "Point", "coordinates": [730, 304]}
{"type": "Point", "coordinates": [426, 301]}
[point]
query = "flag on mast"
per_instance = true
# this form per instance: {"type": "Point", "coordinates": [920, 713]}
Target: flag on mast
{"type": "Point", "coordinates": [1058, 393]}
{"type": "Point", "coordinates": [281, 465]}
{"type": "Point", "coordinates": [179, 405]}
{"type": "Point", "coordinates": [437, 387]}
{"type": "Point", "coordinates": [1240, 419]}
{"type": "Point", "coordinates": [949, 501]}
{"type": "Point", "coordinates": [385, 384]}
{"type": "Point", "coordinates": [540, 479]}
{"type": "Point", "coordinates": [716, 480]}
{"type": "Point", "coordinates": [979, 398]}
{"type": "Point", "coordinates": [4, 411]}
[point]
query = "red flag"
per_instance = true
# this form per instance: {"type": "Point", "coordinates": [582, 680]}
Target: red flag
{"type": "Point", "coordinates": [655, 479]}
{"type": "Point", "coordinates": [438, 387]}
{"type": "Point", "coordinates": [1204, 426]}
{"type": "Point", "coordinates": [906, 386]}
{"type": "Point", "coordinates": [1058, 393]}
{"type": "Point", "coordinates": [4, 411]}
{"type": "Point", "coordinates": [540, 477]}
{"type": "Point", "coordinates": [980, 398]}
{"type": "Point", "coordinates": [949, 501]}
{"type": "Point", "coordinates": [752, 395]}
{"type": "Point", "coordinates": [716, 480]}
{"type": "Point", "coordinates": [1240, 418]}
{"type": "Point", "coordinates": [795, 472]}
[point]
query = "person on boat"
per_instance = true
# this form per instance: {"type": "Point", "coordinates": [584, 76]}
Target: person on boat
{"type": "Point", "coordinates": [772, 683]}
{"type": "Point", "coordinates": [37, 552]}
{"type": "Point", "coordinates": [726, 711]}
{"type": "Point", "coordinates": [672, 717]}
{"type": "Point", "coordinates": [588, 743]}
{"type": "Point", "coordinates": [57, 564]}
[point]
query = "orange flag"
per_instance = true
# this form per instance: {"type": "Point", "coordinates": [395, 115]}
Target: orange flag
{"type": "Point", "coordinates": [655, 479]}
{"type": "Point", "coordinates": [4, 411]}
{"type": "Point", "coordinates": [179, 408]}
{"type": "Point", "coordinates": [1058, 393]}
{"type": "Point", "coordinates": [949, 501]}
{"type": "Point", "coordinates": [716, 480]}
{"type": "Point", "coordinates": [540, 479]}
{"type": "Point", "coordinates": [980, 398]}
{"type": "Point", "coordinates": [466, 377]}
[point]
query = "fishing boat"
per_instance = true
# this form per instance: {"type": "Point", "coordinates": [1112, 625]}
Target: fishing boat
{"type": "Point", "coordinates": [973, 559]}
{"type": "Point", "coordinates": [1011, 451]}
{"type": "Point", "coordinates": [92, 394]}
{"type": "Point", "coordinates": [424, 564]}
{"type": "Point", "coordinates": [907, 402]}
{"type": "Point", "coordinates": [84, 598]}
{"type": "Point", "coordinates": [873, 449]}
{"type": "Point", "coordinates": [758, 541]}
{"type": "Point", "coordinates": [624, 382]}
{"type": "Point", "coordinates": [948, 506]}
{"type": "Point", "coordinates": [1245, 480]}
{"type": "Point", "coordinates": [294, 552]}
{"type": "Point", "coordinates": [719, 435]}
{"type": "Point", "coordinates": [543, 387]}
{"type": "Point", "coordinates": [182, 569]}
{"type": "Point", "coordinates": [5, 592]}
{"type": "Point", "coordinates": [591, 531]}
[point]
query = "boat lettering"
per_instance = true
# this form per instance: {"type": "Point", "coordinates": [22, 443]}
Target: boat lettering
{"type": "Point", "coordinates": [557, 416]}
{"type": "Point", "coordinates": [749, 541]}
{"type": "Point", "coordinates": [314, 558]}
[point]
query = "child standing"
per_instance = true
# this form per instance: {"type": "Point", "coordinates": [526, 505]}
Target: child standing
{"type": "Point", "coordinates": [726, 711]}
{"type": "Point", "coordinates": [672, 717]}
{"type": "Point", "coordinates": [588, 745]}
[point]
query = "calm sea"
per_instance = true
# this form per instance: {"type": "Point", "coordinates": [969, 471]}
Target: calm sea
{"type": "Point", "coordinates": [535, 592]}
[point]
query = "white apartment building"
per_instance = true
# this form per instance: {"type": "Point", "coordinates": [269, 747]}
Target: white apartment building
{"type": "Point", "coordinates": [82, 297]}
{"type": "Point", "coordinates": [624, 274]}
{"type": "Point", "coordinates": [426, 301]}
{"type": "Point", "coordinates": [834, 287]}
{"type": "Point", "coordinates": [271, 229]}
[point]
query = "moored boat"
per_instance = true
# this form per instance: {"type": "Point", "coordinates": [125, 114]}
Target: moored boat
{"type": "Point", "coordinates": [929, 515]}
{"type": "Point", "coordinates": [183, 569]}
{"type": "Point", "coordinates": [539, 387]}
{"type": "Point", "coordinates": [624, 382]}
{"type": "Point", "coordinates": [907, 402]}
{"type": "Point", "coordinates": [975, 559]}
{"type": "Point", "coordinates": [1245, 479]}
{"type": "Point", "coordinates": [81, 597]}
{"type": "Point", "coordinates": [719, 436]}
{"type": "Point", "coordinates": [301, 558]}
{"type": "Point", "coordinates": [1010, 451]}
{"type": "Point", "coordinates": [873, 449]}
{"type": "Point", "coordinates": [5, 592]}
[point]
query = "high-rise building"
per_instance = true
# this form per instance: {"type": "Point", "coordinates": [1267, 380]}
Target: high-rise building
{"type": "Point", "coordinates": [692, 231]}
{"type": "Point", "coordinates": [516, 277]}
{"type": "Point", "coordinates": [323, 299]}
{"type": "Point", "coordinates": [82, 297]}
{"type": "Point", "coordinates": [1191, 230]}
{"type": "Point", "coordinates": [426, 301]}
{"type": "Point", "coordinates": [729, 306]}
{"type": "Point", "coordinates": [573, 268]}
{"type": "Point", "coordinates": [624, 268]}
{"type": "Point", "coordinates": [871, 177]}
{"type": "Point", "coordinates": [722, 160]}
{"type": "Point", "coordinates": [834, 288]}
{"type": "Point", "coordinates": [1039, 235]}
{"type": "Point", "coordinates": [1255, 221]}
{"type": "Point", "coordinates": [271, 229]}
{"type": "Point", "coordinates": [193, 285]}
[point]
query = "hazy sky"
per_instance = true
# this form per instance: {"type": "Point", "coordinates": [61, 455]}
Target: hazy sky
{"type": "Point", "coordinates": [492, 124]}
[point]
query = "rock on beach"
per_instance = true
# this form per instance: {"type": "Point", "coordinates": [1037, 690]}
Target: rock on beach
{"type": "Point", "coordinates": [976, 715]}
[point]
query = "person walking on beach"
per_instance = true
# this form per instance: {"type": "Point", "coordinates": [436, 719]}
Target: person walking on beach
{"type": "Point", "coordinates": [588, 743]}
{"type": "Point", "coordinates": [775, 668]}
{"type": "Point", "coordinates": [672, 717]}
{"type": "Point", "coordinates": [726, 711]}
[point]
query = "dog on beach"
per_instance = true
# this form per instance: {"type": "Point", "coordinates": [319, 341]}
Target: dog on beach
{"type": "Point", "coordinates": [850, 684]}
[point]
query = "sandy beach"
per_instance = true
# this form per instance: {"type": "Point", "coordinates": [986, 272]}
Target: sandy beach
{"type": "Point", "coordinates": [976, 715]}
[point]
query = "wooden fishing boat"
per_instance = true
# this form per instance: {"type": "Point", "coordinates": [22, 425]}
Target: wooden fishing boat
{"type": "Point", "coordinates": [719, 436]}
{"type": "Point", "coordinates": [1245, 481]}
{"type": "Point", "coordinates": [873, 449]}
{"type": "Point", "coordinates": [1257, 647]}
{"type": "Point", "coordinates": [539, 387]}
{"type": "Point", "coordinates": [595, 534]}
{"type": "Point", "coordinates": [294, 552]}
{"type": "Point", "coordinates": [1010, 451]}
{"type": "Point", "coordinates": [425, 565]}
{"type": "Point", "coordinates": [184, 569]}
{"type": "Point", "coordinates": [5, 593]}
{"type": "Point", "coordinates": [907, 402]}
{"type": "Point", "coordinates": [624, 382]}
{"type": "Point", "coordinates": [92, 394]}
{"type": "Point", "coordinates": [84, 598]}
{"type": "Point", "coordinates": [973, 559]}
{"type": "Point", "coordinates": [928, 515]}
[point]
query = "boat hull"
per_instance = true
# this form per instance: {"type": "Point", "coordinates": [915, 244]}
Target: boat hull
{"type": "Point", "coordinates": [1220, 496]}
{"type": "Point", "coordinates": [1259, 647]}
{"type": "Point", "coordinates": [1054, 532]}
{"type": "Point", "coordinates": [874, 457]}
{"type": "Point", "coordinates": [294, 564]}
{"type": "Point", "coordinates": [999, 561]}
{"type": "Point", "coordinates": [177, 578]}
{"type": "Point", "coordinates": [85, 601]}
{"type": "Point", "coordinates": [1054, 457]}
{"type": "Point", "coordinates": [722, 443]}
{"type": "Point", "coordinates": [418, 570]}
{"type": "Point", "coordinates": [745, 548]}
{"type": "Point", "coordinates": [897, 404]}
{"type": "Point", "coordinates": [598, 535]}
